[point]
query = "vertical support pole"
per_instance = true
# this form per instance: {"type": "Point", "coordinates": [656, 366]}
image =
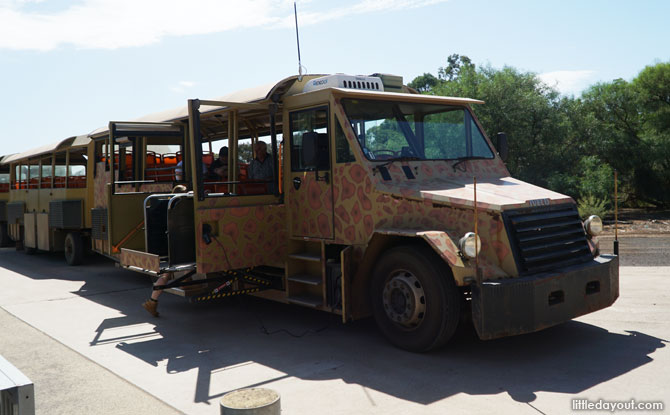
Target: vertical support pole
{"type": "Point", "coordinates": [67, 169]}
{"type": "Point", "coordinates": [196, 165]}
{"type": "Point", "coordinates": [39, 174]}
{"type": "Point", "coordinates": [233, 141]}
{"type": "Point", "coordinates": [53, 168]}
{"type": "Point", "coordinates": [616, 214]}
{"type": "Point", "coordinates": [477, 276]}
{"type": "Point", "coordinates": [110, 150]}
{"type": "Point", "coordinates": [273, 135]}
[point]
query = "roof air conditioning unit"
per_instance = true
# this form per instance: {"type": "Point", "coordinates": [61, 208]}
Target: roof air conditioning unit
{"type": "Point", "coordinates": [368, 83]}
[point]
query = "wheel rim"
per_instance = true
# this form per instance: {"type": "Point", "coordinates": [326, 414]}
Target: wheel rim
{"type": "Point", "coordinates": [404, 299]}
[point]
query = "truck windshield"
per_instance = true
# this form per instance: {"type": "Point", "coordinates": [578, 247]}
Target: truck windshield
{"type": "Point", "coordinates": [390, 130]}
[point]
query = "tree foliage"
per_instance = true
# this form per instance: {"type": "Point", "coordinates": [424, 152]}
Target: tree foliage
{"type": "Point", "coordinates": [572, 145]}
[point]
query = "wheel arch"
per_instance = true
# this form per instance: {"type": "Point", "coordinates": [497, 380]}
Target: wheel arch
{"type": "Point", "coordinates": [438, 242]}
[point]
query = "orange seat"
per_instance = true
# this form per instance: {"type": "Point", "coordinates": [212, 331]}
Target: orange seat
{"type": "Point", "coordinates": [244, 171]}
{"type": "Point", "coordinates": [59, 182]}
{"type": "Point", "coordinates": [152, 159]}
{"type": "Point", "coordinates": [170, 159]}
{"type": "Point", "coordinates": [76, 182]}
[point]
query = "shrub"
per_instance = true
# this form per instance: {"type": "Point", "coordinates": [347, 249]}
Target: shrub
{"type": "Point", "coordinates": [591, 205]}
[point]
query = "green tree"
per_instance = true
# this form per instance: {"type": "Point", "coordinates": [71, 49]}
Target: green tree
{"type": "Point", "coordinates": [632, 133]}
{"type": "Point", "coordinates": [424, 83]}
{"type": "Point", "coordinates": [455, 63]}
{"type": "Point", "coordinates": [573, 145]}
{"type": "Point", "coordinates": [528, 111]}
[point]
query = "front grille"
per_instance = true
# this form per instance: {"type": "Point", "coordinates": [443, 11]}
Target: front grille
{"type": "Point", "coordinates": [545, 238]}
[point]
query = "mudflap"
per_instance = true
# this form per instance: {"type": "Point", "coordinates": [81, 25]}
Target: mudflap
{"type": "Point", "coordinates": [522, 305]}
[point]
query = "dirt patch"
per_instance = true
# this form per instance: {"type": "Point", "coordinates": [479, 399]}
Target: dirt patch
{"type": "Point", "coordinates": [639, 222]}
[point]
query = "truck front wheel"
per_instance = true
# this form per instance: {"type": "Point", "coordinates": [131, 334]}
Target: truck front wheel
{"type": "Point", "coordinates": [415, 301]}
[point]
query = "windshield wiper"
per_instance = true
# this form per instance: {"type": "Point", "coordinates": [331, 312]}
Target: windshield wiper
{"type": "Point", "coordinates": [462, 159]}
{"type": "Point", "coordinates": [390, 161]}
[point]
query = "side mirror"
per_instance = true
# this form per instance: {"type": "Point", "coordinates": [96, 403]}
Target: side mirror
{"type": "Point", "coordinates": [501, 145]}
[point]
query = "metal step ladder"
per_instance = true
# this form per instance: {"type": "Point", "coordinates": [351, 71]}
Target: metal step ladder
{"type": "Point", "coordinates": [306, 273]}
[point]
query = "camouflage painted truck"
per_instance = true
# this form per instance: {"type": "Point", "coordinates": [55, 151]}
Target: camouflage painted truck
{"type": "Point", "coordinates": [369, 210]}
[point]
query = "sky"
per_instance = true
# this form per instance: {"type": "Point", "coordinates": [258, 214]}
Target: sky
{"type": "Point", "coordinates": [69, 67]}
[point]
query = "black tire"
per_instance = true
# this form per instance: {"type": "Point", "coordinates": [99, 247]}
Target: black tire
{"type": "Point", "coordinates": [74, 248]}
{"type": "Point", "coordinates": [415, 301]}
{"type": "Point", "coordinates": [4, 235]}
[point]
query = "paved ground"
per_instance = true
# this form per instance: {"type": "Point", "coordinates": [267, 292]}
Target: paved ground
{"type": "Point", "coordinates": [80, 335]}
{"type": "Point", "coordinates": [640, 250]}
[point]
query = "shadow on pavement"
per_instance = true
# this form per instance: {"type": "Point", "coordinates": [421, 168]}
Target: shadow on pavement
{"type": "Point", "coordinates": [295, 342]}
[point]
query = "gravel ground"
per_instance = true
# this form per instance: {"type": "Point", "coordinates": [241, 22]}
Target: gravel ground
{"type": "Point", "coordinates": [644, 238]}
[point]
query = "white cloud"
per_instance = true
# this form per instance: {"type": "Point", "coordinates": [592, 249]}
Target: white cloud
{"type": "Point", "coordinates": [182, 86]}
{"type": "Point", "coordinates": [569, 82]}
{"type": "Point", "coordinates": [111, 24]}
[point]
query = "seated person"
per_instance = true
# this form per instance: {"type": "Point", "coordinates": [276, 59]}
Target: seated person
{"type": "Point", "coordinates": [218, 170]}
{"type": "Point", "coordinates": [179, 171]}
{"type": "Point", "coordinates": [262, 166]}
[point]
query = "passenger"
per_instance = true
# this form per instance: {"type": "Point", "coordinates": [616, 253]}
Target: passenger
{"type": "Point", "coordinates": [219, 169]}
{"type": "Point", "coordinates": [179, 170]}
{"type": "Point", "coordinates": [262, 166]}
{"type": "Point", "coordinates": [151, 305]}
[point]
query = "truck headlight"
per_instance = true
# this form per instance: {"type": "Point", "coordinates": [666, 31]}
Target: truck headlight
{"type": "Point", "coordinates": [593, 225]}
{"type": "Point", "coordinates": [467, 245]}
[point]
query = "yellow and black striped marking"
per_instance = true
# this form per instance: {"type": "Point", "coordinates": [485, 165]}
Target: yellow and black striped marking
{"type": "Point", "coordinates": [256, 280]}
{"type": "Point", "coordinates": [210, 297]}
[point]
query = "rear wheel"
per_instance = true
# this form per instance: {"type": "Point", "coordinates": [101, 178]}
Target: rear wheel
{"type": "Point", "coordinates": [415, 301]}
{"type": "Point", "coordinates": [74, 248]}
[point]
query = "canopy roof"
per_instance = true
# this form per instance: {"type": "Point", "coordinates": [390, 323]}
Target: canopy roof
{"type": "Point", "coordinates": [259, 94]}
{"type": "Point", "coordinates": [71, 142]}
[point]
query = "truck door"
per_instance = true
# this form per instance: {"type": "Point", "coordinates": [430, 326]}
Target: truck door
{"type": "Point", "coordinates": [310, 188]}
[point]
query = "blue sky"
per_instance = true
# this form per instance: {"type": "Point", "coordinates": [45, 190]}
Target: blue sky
{"type": "Point", "coordinates": [68, 67]}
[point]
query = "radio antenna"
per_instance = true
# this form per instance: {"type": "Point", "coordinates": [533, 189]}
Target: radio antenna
{"type": "Point", "coordinates": [297, 39]}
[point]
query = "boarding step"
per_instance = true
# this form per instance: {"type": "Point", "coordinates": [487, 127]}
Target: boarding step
{"type": "Point", "coordinates": [188, 291]}
{"type": "Point", "coordinates": [306, 256]}
{"type": "Point", "coordinates": [305, 279]}
{"type": "Point", "coordinates": [306, 300]}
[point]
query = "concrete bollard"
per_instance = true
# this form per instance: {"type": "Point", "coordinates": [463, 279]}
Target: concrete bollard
{"type": "Point", "coordinates": [254, 401]}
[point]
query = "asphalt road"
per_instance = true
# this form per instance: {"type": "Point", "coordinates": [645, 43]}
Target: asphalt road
{"type": "Point", "coordinates": [79, 333]}
{"type": "Point", "coordinates": [649, 250]}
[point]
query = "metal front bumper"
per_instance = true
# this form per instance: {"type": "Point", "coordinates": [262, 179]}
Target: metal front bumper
{"type": "Point", "coordinates": [523, 305]}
